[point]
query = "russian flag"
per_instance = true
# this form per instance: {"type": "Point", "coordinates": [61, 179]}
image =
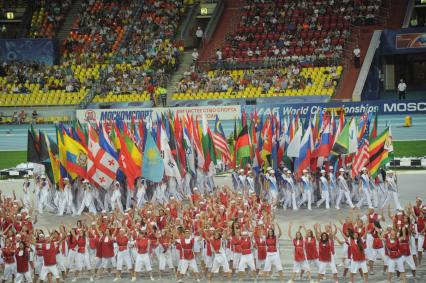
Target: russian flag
{"type": "Point", "coordinates": [304, 159]}
{"type": "Point", "coordinates": [325, 143]}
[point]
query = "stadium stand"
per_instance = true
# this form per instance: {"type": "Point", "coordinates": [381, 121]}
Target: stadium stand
{"type": "Point", "coordinates": [100, 27]}
{"type": "Point", "coordinates": [92, 52]}
{"type": "Point", "coordinates": [291, 81]}
{"type": "Point", "coordinates": [48, 17]}
{"type": "Point", "coordinates": [279, 34]}
{"type": "Point", "coordinates": [147, 58]}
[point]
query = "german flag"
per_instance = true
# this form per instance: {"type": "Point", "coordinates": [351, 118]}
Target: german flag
{"type": "Point", "coordinates": [379, 153]}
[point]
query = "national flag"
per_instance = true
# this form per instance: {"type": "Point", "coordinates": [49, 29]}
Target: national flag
{"type": "Point", "coordinates": [76, 156]}
{"type": "Point", "coordinates": [170, 167]}
{"type": "Point", "coordinates": [197, 143]}
{"type": "Point", "coordinates": [52, 149]}
{"type": "Point", "coordinates": [35, 151]}
{"type": "Point", "coordinates": [152, 163]}
{"type": "Point", "coordinates": [294, 146]}
{"type": "Point", "coordinates": [62, 153]}
{"type": "Point", "coordinates": [102, 165]}
{"type": "Point", "coordinates": [353, 137]}
{"type": "Point", "coordinates": [220, 143]}
{"type": "Point", "coordinates": [341, 145]}
{"type": "Point", "coordinates": [303, 160]}
{"type": "Point", "coordinates": [189, 151]}
{"type": "Point", "coordinates": [379, 152]}
{"type": "Point", "coordinates": [373, 133]}
{"type": "Point", "coordinates": [324, 146]}
{"type": "Point", "coordinates": [125, 160]}
{"type": "Point", "coordinates": [363, 155]}
{"type": "Point", "coordinates": [242, 145]}
{"type": "Point", "coordinates": [208, 147]}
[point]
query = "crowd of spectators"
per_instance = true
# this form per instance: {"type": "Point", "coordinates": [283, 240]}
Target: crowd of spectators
{"type": "Point", "coordinates": [48, 17]}
{"type": "Point", "coordinates": [150, 54]}
{"type": "Point", "coordinates": [305, 31]}
{"type": "Point", "coordinates": [17, 76]}
{"type": "Point", "coordinates": [278, 79]}
{"type": "Point", "coordinates": [100, 26]}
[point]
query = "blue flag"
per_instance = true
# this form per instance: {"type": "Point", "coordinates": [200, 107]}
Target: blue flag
{"type": "Point", "coordinates": [152, 162]}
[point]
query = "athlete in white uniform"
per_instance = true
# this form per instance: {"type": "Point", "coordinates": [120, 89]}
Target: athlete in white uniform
{"type": "Point", "coordinates": [364, 189]}
{"type": "Point", "coordinates": [392, 189]}
{"type": "Point", "coordinates": [66, 204]}
{"type": "Point", "coordinates": [88, 200]}
{"type": "Point", "coordinates": [324, 191]}
{"type": "Point", "coordinates": [343, 189]}
{"type": "Point", "coordinates": [306, 188]}
{"type": "Point", "coordinates": [292, 187]}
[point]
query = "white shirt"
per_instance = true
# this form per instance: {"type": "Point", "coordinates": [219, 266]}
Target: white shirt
{"type": "Point", "coordinates": [195, 55]}
{"type": "Point", "coordinates": [199, 33]}
{"type": "Point", "coordinates": [357, 52]}
{"type": "Point", "coordinates": [219, 55]}
{"type": "Point", "coordinates": [402, 86]}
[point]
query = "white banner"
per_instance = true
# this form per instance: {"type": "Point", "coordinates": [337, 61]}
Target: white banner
{"type": "Point", "coordinates": [223, 112]}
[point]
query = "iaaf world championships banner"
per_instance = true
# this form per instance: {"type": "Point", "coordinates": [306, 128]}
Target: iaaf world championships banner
{"type": "Point", "coordinates": [350, 108]}
{"type": "Point", "coordinates": [96, 115]}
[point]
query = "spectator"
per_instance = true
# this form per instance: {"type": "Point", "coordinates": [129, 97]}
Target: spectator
{"type": "Point", "coordinates": [195, 56]}
{"type": "Point", "coordinates": [402, 89]}
{"type": "Point", "coordinates": [35, 116]}
{"type": "Point", "coordinates": [357, 57]}
{"type": "Point", "coordinates": [163, 95]}
{"type": "Point", "coordinates": [199, 36]}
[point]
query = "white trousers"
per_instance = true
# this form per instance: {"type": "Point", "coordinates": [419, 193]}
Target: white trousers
{"type": "Point", "coordinates": [324, 197]}
{"type": "Point", "coordinates": [365, 196]}
{"type": "Point", "coordinates": [273, 259]}
{"type": "Point", "coordinates": [347, 196]}
{"type": "Point", "coordinates": [306, 197]}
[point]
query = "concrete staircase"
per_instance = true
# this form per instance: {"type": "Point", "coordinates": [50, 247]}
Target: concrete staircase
{"type": "Point", "coordinates": [392, 18]}
{"type": "Point", "coordinates": [185, 63]}
{"type": "Point", "coordinates": [227, 24]}
{"type": "Point", "coordinates": [69, 20]}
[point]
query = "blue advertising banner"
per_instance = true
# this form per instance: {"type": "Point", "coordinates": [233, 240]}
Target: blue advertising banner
{"type": "Point", "coordinates": [350, 108]}
{"type": "Point", "coordinates": [38, 50]}
{"type": "Point", "coordinates": [403, 41]}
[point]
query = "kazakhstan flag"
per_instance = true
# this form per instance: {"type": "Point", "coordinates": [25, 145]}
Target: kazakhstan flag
{"type": "Point", "coordinates": [152, 162]}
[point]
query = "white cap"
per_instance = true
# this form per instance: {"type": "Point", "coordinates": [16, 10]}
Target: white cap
{"type": "Point", "coordinates": [304, 171]}
{"type": "Point", "coordinates": [364, 169]}
{"type": "Point", "coordinates": [260, 222]}
{"type": "Point", "coordinates": [288, 171]}
{"type": "Point", "coordinates": [43, 176]}
{"type": "Point", "coordinates": [269, 168]}
{"type": "Point", "coordinates": [195, 189]}
{"type": "Point", "coordinates": [211, 229]}
{"type": "Point", "coordinates": [85, 181]}
{"type": "Point", "coordinates": [66, 179]}
{"type": "Point", "coordinates": [322, 171]}
{"type": "Point", "coordinates": [272, 171]}
{"type": "Point", "coordinates": [330, 167]}
{"type": "Point", "coordinates": [241, 170]}
{"type": "Point", "coordinates": [117, 183]}
{"type": "Point", "coordinates": [341, 170]}
{"type": "Point", "coordinates": [26, 176]}
{"type": "Point", "coordinates": [244, 233]}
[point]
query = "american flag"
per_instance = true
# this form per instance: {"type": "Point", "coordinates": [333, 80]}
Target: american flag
{"type": "Point", "coordinates": [219, 141]}
{"type": "Point", "coordinates": [363, 155]}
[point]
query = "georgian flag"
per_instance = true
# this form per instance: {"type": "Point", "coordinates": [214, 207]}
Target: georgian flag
{"type": "Point", "coordinates": [102, 164]}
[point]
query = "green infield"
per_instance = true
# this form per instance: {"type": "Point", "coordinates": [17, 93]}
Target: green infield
{"type": "Point", "coordinates": [409, 148]}
{"type": "Point", "coordinates": [10, 159]}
